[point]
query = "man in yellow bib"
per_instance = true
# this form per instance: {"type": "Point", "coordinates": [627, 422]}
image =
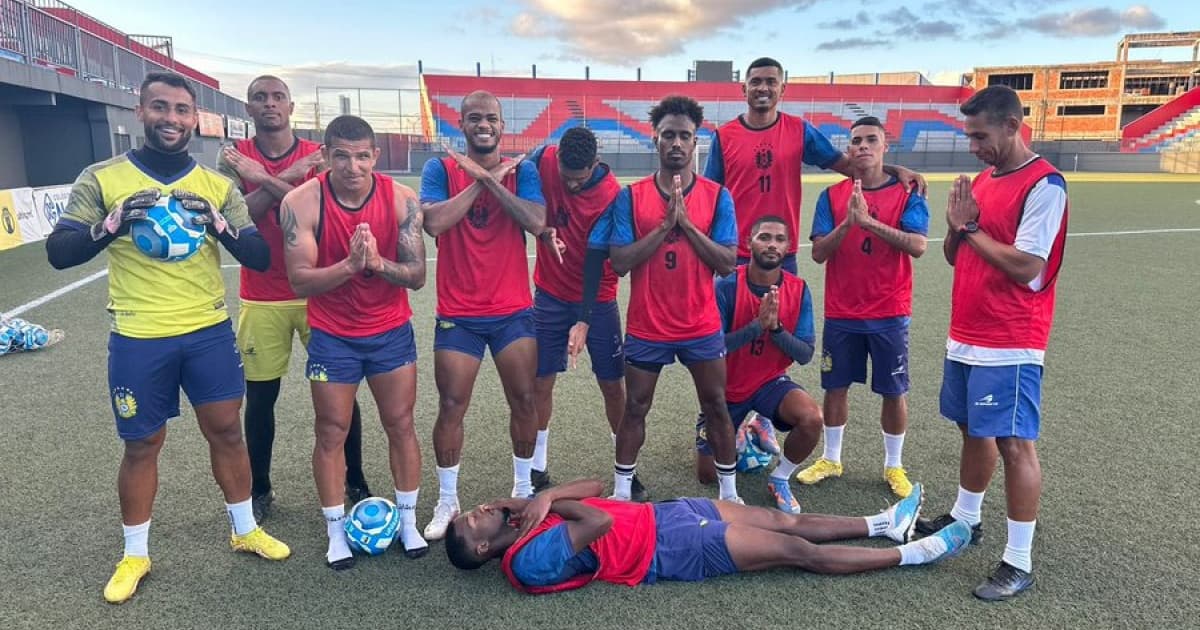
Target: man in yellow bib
{"type": "Point", "coordinates": [169, 325]}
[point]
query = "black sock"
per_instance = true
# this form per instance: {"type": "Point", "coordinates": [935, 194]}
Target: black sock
{"type": "Point", "coordinates": [260, 431]}
{"type": "Point", "coordinates": [353, 450]}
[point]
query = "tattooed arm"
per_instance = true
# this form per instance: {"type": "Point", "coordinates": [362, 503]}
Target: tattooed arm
{"type": "Point", "coordinates": [409, 268]}
{"type": "Point", "coordinates": [299, 213]}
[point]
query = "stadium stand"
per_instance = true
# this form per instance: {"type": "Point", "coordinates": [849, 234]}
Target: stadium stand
{"type": "Point", "coordinates": [1172, 127]}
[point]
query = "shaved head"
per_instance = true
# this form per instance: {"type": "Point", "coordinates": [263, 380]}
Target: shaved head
{"type": "Point", "coordinates": [478, 96]}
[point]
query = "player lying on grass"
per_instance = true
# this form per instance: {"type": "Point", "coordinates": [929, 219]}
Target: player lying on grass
{"type": "Point", "coordinates": [566, 537]}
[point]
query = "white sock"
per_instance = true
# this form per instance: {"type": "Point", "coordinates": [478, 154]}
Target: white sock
{"type": "Point", "coordinates": [335, 529]}
{"type": "Point", "coordinates": [968, 507]}
{"type": "Point", "coordinates": [921, 551]}
{"type": "Point", "coordinates": [879, 524]}
{"type": "Point", "coordinates": [893, 447]}
{"type": "Point", "coordinates": [727, 480]}
{"type": "Point", "coordinates": [406, 502]}
{"type": "Point", "coordinates": [522, 487]}
{"type": "Point", "coordinates": [448, 485]}
{"type": "Point", "coordinates": [833, 444]}
{"type": "Point", "coordinates": [785, 468]}
{"type": "Point", "coordinates": [137, 540]}
{"type": "Point", "coordinates": [241, 517]}
{"type": "Point", "coordinates": [623, 480]}
{"type": "Point", "coordinates": [1019, 550]}
{"type": "Point", "coordinates": [539, 449]}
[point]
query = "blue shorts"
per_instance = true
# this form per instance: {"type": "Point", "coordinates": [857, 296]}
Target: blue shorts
{"type": "Point", "coordinates": [145, 375]}
{"type": "Point", "coordinates": [788, 263]}
{"type": "Point", "coordinates": [472, 335]}
{"type": "Point", "coordinates": [1001, 401]}
{"type": "Point", "coordinates": [553, 319]}
{"type": "Point", "coordinates": [690, 542]}
{"type": "Point", "coordinates": [765, 402]}
{"type": "Point", "coordinates": [336, 359]}
{"type": "Point", "coordinates": [653, 355]}
{"type": "Point", "coordinates": [844, 359]}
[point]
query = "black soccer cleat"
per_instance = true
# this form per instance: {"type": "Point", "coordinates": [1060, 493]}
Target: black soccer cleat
{"type": "Point", "coordinates": [341, 565]}
{"type": "Point", "coordinates": [261, 505]}
{"type": "Point", "coordinates": [1004, 583]}
{"type": "Point", "coordinates": [356, 493]}
{"type": "Point", "coordinates": [637, 492]}
{"type": "Point", "coordinates": [928, 527]}
{"type": "Point", "coordinates": [540, 480]}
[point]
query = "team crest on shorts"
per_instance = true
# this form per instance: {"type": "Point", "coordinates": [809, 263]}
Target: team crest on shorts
{"type": "Point", "coordinates": [124, 403]}
{"type": "Point", "coordinates": [826, 361]}
{"type": "Point", "coordinates": [444, 324]}
{"type": "Point", "coordinates": [316, 372]}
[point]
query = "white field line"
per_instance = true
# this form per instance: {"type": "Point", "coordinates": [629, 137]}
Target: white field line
{"type": "Point", "coordinates": [104, 272]}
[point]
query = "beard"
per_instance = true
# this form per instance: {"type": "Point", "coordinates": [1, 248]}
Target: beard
{"type": "Point", "coordinates": [483, 150]}
{"type": "Point", "coordinates": [767, 265]}
{"type": "Point", "coordinates": [155, 143]}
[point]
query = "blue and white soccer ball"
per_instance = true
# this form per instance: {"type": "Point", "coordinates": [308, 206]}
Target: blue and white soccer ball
{"type": "Point", "coordinates": [372, 525]}
{"type": "Point", "coordinates": [169, 232]}
{"type": "Point", "coordinates": [752, 459]}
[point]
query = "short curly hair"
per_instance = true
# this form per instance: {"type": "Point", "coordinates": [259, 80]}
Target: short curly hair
{"type": "Point", "coordinates": [577, 148]}
{"type": "Point", "coordinates": [677, 104]}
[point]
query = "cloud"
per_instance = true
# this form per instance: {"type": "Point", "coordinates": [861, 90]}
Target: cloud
{"type": "Point", "coordinates": [626, 32]}
{"type": "Point", "coordinates": [852, 42]}
{"type": "Point", "coordinates": [908, 25]}
{"type": "Point", "coordinates": [1093, 22]}
{"type": "Point", "coordinates": [846, 24]}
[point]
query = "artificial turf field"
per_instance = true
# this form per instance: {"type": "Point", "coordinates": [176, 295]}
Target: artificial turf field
{"type": "Point", "coordinates": [1115, 545]}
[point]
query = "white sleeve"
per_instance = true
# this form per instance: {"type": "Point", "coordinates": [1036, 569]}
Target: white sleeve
{"type": "Point", "coordinates": [1043, 216]}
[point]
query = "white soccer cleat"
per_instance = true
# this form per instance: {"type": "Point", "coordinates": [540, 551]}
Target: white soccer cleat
{"type": "Point", "coordinates": [443, 514]}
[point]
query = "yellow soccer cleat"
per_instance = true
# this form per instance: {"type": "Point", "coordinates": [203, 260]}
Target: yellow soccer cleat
{"type": "Point", "coordinates": [898, 480]}
{"type": "Point", "coordinates": [822, 469]}
{"type": "Point", "coordinates": [124, 581]}
{"type": "Point", "coordinates": [260, 543]}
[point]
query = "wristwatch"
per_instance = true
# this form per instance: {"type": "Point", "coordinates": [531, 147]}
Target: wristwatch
{"type": "Point", "coordinates": [970, 227]}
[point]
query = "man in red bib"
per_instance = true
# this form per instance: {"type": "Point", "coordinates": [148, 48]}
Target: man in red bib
{"type": "Point", "coordinates": [354, 247]}
{"type": "Point", "coordinates": [866, 230]}
{"type": "Point", "coordinates": [1007, 232]}
{"type": "Point", "coordinates": [565, 538]}
{"type": "Point", "coordinates": [479, 206]}
{"type": "Point", "coordinates": [267, 167]}
{"type": "Point", "coordinates": [578, 189]}
{"type": "Point", "coordinates": [767, 316]}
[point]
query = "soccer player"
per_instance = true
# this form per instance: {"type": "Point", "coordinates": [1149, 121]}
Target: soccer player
{"type": "Point", "coordinates": [759, 156]}
{"type": "Point", "coordinates": [866, 230]}
{"type": "Point", "coordinates": [578, 188]}
{"type": "Point", "coordinates": [673, 230]}
{"type": "Point", "coordinates": [767, 317]}
{"type": "Point", "coordinates": [565, 538]}
{"type": "Point", "coordinates": [479, 207]}
{"type": "Point", "coordinates": [169, 324]}
{"type": "Point", "coordinates": [266, 168]}
{"type": "Point", "coordinates": [1007, 231]}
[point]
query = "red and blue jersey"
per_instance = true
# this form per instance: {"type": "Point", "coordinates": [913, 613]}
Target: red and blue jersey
{"type": "Point", "coordinates": [482, 267]}
{"type": "Point", "coordinates": [989, 309]}
{"type": "Point", "coordinates": [866, 278]}
{"type": "Point", "coordinates": [761, 361]}
{"type": "Point", "coordinates": [366, 304]}
{"type": "Point", "coordinates": [573, 215]}
{"type": "Point", "coordinates": [272, 285]}
{"type": "Point", "coordinates": [671, 292]}
{"type": "Point", "coordinates": [761, 168]}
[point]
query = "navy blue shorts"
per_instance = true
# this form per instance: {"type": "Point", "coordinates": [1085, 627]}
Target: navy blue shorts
{"type": "Point", "coordinates": [1001, 401]}
{"type": "Point", "coordinates": [788, 263]}
{"type": "Point", "coordinates": [765, 402]}
{"type": "Point", "coordinates": [473, 335]}
{"type": "Point", "coordinates": [690, 543]}
{"type": "Point", "coordinates": [553, 319]}
{"type": "Point", "coordinates": [145, 375]}
{"type": "Point", "coordinates": [844, 359]}
{"type": "Point", "coordinates": [336, 359]}
{"type": "Point", "coordinates": [653, 355]}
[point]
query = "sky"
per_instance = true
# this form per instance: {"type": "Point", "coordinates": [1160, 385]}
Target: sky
{"type": "Point", "coordinates": [377, 44]}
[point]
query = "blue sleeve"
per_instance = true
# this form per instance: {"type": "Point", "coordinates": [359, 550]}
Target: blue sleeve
{"type": "Point", "coordinates": [726, 290]}
{"type": "Point", "coordinates": [823, 217]}
{"type": "Point", "coordinates": [543, 560]}
{"type": "Point", "coordinates": [724, 230]}
{"type": "Point", "coordinates": [620, 213]}
{"type": "Point", "coordinates": [916, 215]}
{"type": "Point", "coordinates": [714, 168]}
{"type": "Point", "coordinates": [435, 185]}
{"type": "Point", "coordinates": [602, 229]}
{"type": "Point", "coordinates": [536, 156]}
{"type": "Point", "coordinates": [818, 151]}
{"type": "Point", "coordinates": [804, 325]}
{"type": "Point", "coordinates": [529, 183]}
